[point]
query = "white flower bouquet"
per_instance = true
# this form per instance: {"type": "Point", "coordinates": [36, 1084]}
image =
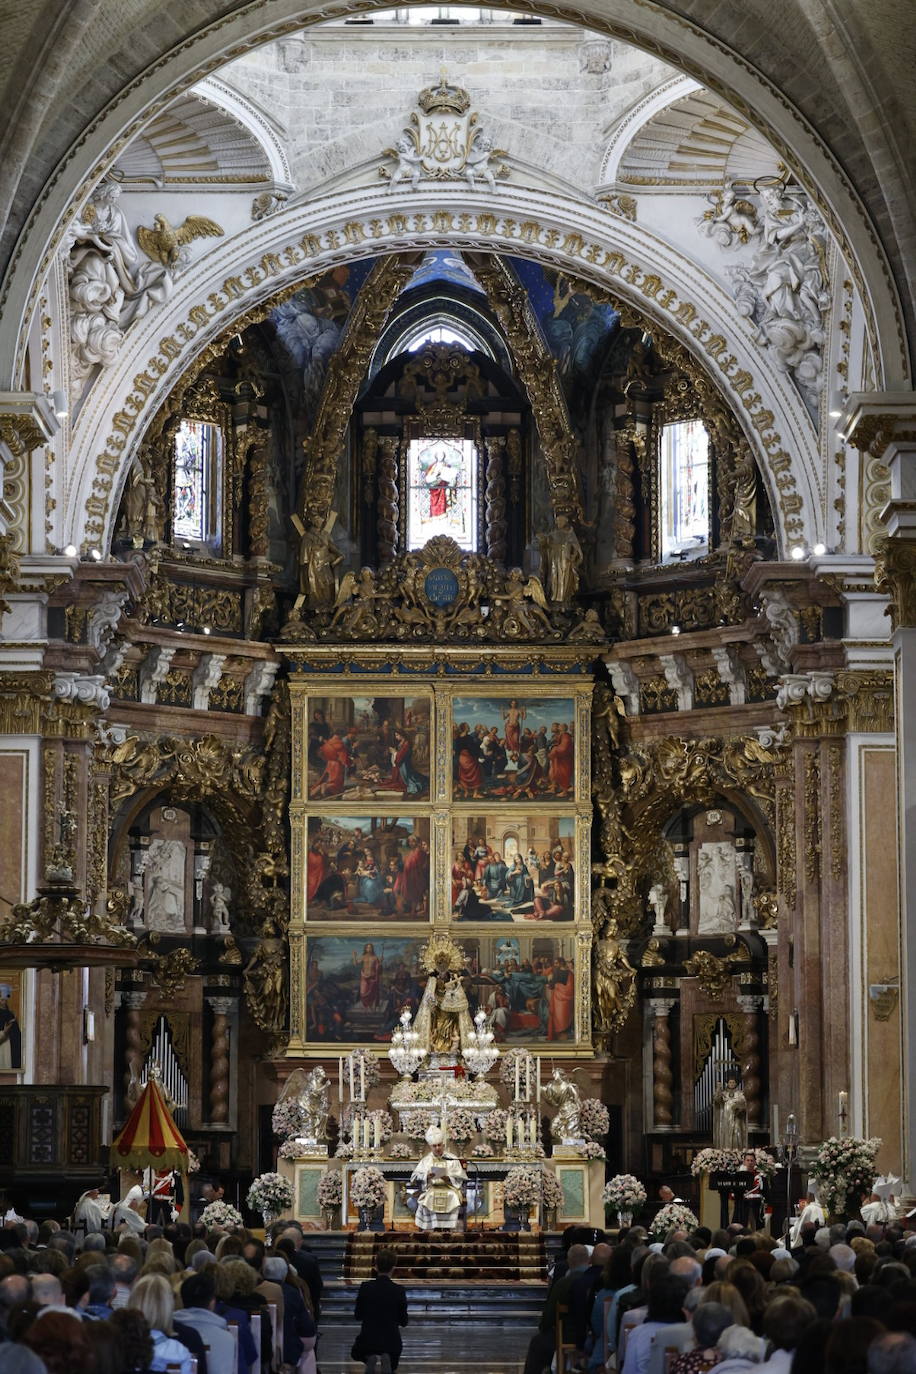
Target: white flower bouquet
{"type": "Point", "coordinates": [461, 1124]}
{"type": "Point", "coordinates": [290, 1149]}
{"type": "Point", "coordinates": [624, 1193]}
{"type": "Point", "coordinates": [416, 1124]}
{"type": "Point", "coordinates": [551, 1191]}
{"type": "Point", "coordinates": [329, 1192]}
{"type": "Point", "coordinates": [483, 1150]}
{"type": "Point", "coordinates": [594, 1118]}
{"type": "Point", "coordinates": [220, 1214]}
{"type": "Point", "coordinates": [674, 1216]}
{"type": "Point", "coordinates": [386, 1125]}
{"type": "Point", "coordinates": [367, 1187]}
{"type": "Point", "coordinates": [590, 1150]}
{"type": "Point", "coordinates": [494, 1126]}
{"type": "Point", "coordinates": [400, 1150]}
{"type": "Point", "coordinates": [710, 1161]}
{"type": "Point", "coordinates": [845, 1170]}
{"type": "Point", "coordinates": [522, 1187]}
{"type": "Point", "coordinates": [766, 1164]}
{"type": "Point", "coordinates": [507, 1063]}
{"type": "Point", "coordinates": [287, 1119]}
{"type": "Point", "coordinates": [366, 1072]}
{"type": "Point", "coordinates": [344, 1149]}
{"type": "Point", "coordinates": [270, 1193]}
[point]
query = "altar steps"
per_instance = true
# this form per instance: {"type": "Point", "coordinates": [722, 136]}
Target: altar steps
{"type": "Point", "coordinates": [455, 1256]}
{"type": "Point", "coordinates": [515, 1305]}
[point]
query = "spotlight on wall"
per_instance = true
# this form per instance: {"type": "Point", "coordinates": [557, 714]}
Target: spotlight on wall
{"type": "Point", "coordinates": [207, 630]}
{"type": "Point", "coordinates": [798, 552]}
{"type": "Point", "coordinates": [70, 551]}
{"type": "Point", "coordinates": [675, 629]}
{"type": "Point", "coordinates": [819, 550]}
{"type": "Point", "coordinates": [60, 405]}
{"type": "Point", "coordinates": [95, 555]}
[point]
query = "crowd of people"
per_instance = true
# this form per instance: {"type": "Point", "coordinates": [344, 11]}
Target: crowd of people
{"type": "Point", "coordinates": [842, 1300]}
{"type": "Point", "coordinates": [119, 1302]}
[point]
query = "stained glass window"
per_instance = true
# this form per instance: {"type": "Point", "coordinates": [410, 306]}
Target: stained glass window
{"type": "Point", "coordinates": [197, 464]}
{"type": "Point", "coordinates": [684, 506]}
{"type": "Point", "coordinates": [442, 491]}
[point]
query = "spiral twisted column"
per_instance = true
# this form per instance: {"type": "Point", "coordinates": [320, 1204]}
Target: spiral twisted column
{"type": "Point", "coordinates": [388, 509]}
{"type": "Point", "coordinates": [662, 1076]}
{"type": "Point", "coordinates": [750, 1058]}
{"type": "Point", "coordinates": [219, 1060]}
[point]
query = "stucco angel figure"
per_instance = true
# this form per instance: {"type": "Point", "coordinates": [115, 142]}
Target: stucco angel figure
{"type": "Point", "coordinates": [477, 161]}
{"type": "Point", "coordinates": [729, 1117]}
{"type": "Point", "coordinates": [444, 1019]}
{"type": "Point", "coordinates": [410, 164]}
{"type": "Point", "coordinates": [563, 1094]}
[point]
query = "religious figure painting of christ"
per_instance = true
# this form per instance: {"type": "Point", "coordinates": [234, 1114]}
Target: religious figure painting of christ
{"type": "Point", "coordinates": [513, 748]}
{"type": "Point", "coordinates": [357, 987]}
{"type": "Point", "coordinates": [513, 867]}
{"type": "Point", "coordinates": [368, 748]}
{"type": "Point", "coordinates": [368, 868]}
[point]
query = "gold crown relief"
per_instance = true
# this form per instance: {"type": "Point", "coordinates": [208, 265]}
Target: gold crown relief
{"type": "Point", "coordinates": [444, 98]}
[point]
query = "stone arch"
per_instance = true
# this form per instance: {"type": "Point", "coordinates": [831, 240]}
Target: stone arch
{"type": "Point", "coordinates": [631, 264]}
{"type": "Point", "coordinates": [673, 38]}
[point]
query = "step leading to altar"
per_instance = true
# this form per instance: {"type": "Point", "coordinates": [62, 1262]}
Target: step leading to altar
{"type": "Point", "coordinates": [476, 1256]}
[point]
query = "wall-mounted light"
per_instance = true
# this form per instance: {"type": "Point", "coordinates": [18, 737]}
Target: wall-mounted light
{"type": "Point", "coordinates": [60, 405]}
{"type": "Point", "coordinates": [70, 551]}
{"type": "Point", "coordinates": [88, 1026]}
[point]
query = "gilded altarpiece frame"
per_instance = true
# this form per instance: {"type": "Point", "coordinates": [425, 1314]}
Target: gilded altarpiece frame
{"type": "Point", "coordinates": [350, 976]}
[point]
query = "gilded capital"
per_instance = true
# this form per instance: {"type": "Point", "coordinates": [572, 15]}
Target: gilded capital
{"type": "Point", "coordinates": [895, 576]}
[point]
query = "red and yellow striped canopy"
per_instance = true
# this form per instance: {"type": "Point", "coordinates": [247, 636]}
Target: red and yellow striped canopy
{"type": "Point", "coordinates": [150, 1138]}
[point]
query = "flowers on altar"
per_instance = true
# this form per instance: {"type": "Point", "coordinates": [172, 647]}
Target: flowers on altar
{"type": "Point", "coordinates": [522, 1187]}
{"type": "Point", "coordinates": [526, 1065]}
{"type": "Point", "coordinates": [365, 1071]}
{"type": "Point", "coordinates": [710, 1161]}
{"type": "Point", "coordinates": [594, 1118]}
{"type": "Point", "coordinates": [403, 1094]}
{"type": "Point", "coordinates": [590, 1150]}
{"type": "Point", "coordinates": [220, 1214]}
{"type": "Point", "coordinates": [344, 1149]}
{"type": "Point", "coordinates": [624, 1193]}
{"type": "Point", "coordinates": [270, 1193]}
{"type": "Point", "coordinates": [330, 1188]}
{"type": "Point", "coordinates": [845, 1170]}
{"type": "Point", "coordinates": [367, 1187]}
{"type": "Point", "coordinates": [288, 1119]}
{"type": "Point", "coordinates": [416, 1124]}
{"type": "Point", "coordinates": [386, 1125]}
{"type": "Point", "coordinates": [400, 1150]}
{"type": "Point", "coordinates": [551, 1190]}
{"type": "Point", "coordinates": [461, 1125]}
{"type": "Point", "coordinates": [674, 1216]}
{"type": "Point", "coordinates": [290, 1149]}
{"type": "Point", "coordinates": [483, 1150]}
{"type": "Point", "coordinates": [494, 1126]}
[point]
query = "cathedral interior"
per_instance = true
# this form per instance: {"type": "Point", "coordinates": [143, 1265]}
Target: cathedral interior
{"type": "Point", "coordinates": [455, 497]}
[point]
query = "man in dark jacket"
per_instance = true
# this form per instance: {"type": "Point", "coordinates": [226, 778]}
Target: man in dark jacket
{"type": "Point", "coordinates": [381, 1306]}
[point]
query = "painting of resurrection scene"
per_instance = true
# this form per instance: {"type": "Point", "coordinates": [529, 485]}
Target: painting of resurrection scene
{"type": "Point", "coordinates": [367, 867]}
{"type": "Point", "coordinates": [513, 867]}
{"type": "Point", "coordinates": [366, 747]}
{"type": "Point", "coordinates": [357, 988]}
{"type": "Point", "coordinates": [513, 747]}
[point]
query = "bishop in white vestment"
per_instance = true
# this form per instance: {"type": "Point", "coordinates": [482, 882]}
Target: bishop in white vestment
{"type": "Point", "coordinates": [440, 1177]}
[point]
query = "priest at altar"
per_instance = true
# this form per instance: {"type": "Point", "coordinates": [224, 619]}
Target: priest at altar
{"type": "Point", "coordinates": [439, 1177]}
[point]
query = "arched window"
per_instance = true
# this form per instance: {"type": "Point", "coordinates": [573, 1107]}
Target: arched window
{"type": "Point", "coordinates": [684, 507]}
{"type": "Point", "coordinates": [197, 465]}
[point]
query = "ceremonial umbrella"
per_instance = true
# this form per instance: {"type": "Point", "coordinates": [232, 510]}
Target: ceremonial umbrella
{"type": "Point", "coordinates": [150, 1139]}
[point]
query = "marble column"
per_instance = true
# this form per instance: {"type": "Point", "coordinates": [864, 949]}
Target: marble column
{"type": "Point", "coordinates": [662, 1077]}
{"type": "Point", "coordinates": [750, 1058]}
{"type": "Point", "coordinates": [219, 1060]}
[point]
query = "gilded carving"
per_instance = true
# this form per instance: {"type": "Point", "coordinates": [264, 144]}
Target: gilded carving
{"type": "Point", "coordinates": [614, 983]}
{"type": "Point", "coordinates": [813, 837]}
{"type": "Point", "coordinates": [785, 846]}
{"type": "Point", "coordinates": [170, 971]}
{"type": "Point", "coordinates": [895, 576]}
{"type": "Point", "coordinates": [837, 847]}
{"type": "Point", "coordinates": [711, 972]}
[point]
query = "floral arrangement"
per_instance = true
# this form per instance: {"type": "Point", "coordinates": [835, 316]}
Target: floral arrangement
{"type": "Point", "coordinates": [386, 1125]}
{"type": "Point", "coordinates": [330, 1188]}
{"type": "Point", "coordinates": [290, 1149]}
{"type": "Point", "coordinates": [371, 1073]}
{"type": "Point", "coordinates": [494, 1126]}
{"type": "Point", "coordinates": [193, 1163]}
{"type": "Point", "coordinates": [344, 1149]}
{"type": "Point", "coordinates": [220, 1214]}
{"type": "Point", "coordinates": [400, 1150]}
{"type": "Point", "coordinates": [483, 1150]}
{"type": "Point", "coordinates": [674, 1216]}
{"type": "Point", "coordinates": [507, 1064]}
{"type": "Point", "coordinates": [287, 1119]}
{"type": "Point", "coordinates": [462, 1124]}
{"type": "Point", "coordinates": [522, 1187]}
{"type": "Point", "coordinates": [590, 1150]}
{"type": "Point", "coordinates": [416, 1124]}
{"type": "Point", "coordinates": [551, 1191]}
{"type": "Point", "coordinates": [710, 1161]}
{"type": "Point", "coordinates": [367, 1187]}
{"type": "Point", "coordinates": [270, 1193]}
{"type": "Point", "coordinates": [624, 1193]}
{"type": "Point", "coordinates": [845, 1170]}
{"type": "Point", "coordinates": [403, 1094]}
{"type": "Point", "coordinates": [594, 1118]}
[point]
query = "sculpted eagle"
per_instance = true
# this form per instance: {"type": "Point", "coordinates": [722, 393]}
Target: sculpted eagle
{"type": "Point", "coordinates": [163, 243]}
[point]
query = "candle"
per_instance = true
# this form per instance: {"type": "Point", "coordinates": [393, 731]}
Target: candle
{"type": "Point", "coordinates": [366, 1132]}
{"type": "Point", "coordinates": [377, 1128]}
{"type": "Point", "coordinates": [362, 1080]}
{"type": "Point", "coordinates": [538, 1079]}
{"type": "Point", "coordinates": [516, 1080]}
{"type": "Point", "coordinates": [774, 1132]}
{"type": "Point", "coordinates": [508, 1133]}
{"type": "Point", "coordinates": [844, 1110]}
{"type": "Point", "coordinates": [351, 1078]}
{"type": "Point", "coordinates": [340, 1080]}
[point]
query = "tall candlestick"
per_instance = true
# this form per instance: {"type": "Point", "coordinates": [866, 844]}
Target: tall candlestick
{"type": "Point", "coordinates": [516, 1080]}
{"type": "Point", "coordinates": [508, 1133]}
{"type": "Point", "coordinates": [527, 1080]}
{"type": "Point", "coordinates": [340, 1080]}
{"type": "Point", "coordinates": [538, 1079]}
{"type": "Point", "coordinates": [362, 1080]}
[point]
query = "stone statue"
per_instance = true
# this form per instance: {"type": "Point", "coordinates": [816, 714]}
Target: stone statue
{"type": "Point", "coordinates": [318, 557]}
{"type": "Point", "coordinates": [165, 886]}
{"type": "Point", "coordinates": [658, 901]}
{"type": "Point", "coordinates": [410, 163]}
{"type": "Point", "coordinates": [729, 220]}
{"type": "Point", "coordinates": [563, 1094]}
{"type": "Point", "coordinates": [477, 163]}
{"type": "Point", "coordinates": [314, 1099]}
{"type": "Point", "coordinates": [615, 981]}
{"type": "Point", "coordinates": [729, 1117]}
{"type": "Point", "coordinates": [562, 556]}
{"type": "Point", "coordinates": [265, 982]}
{"type": "Point", "coordinates": [219, 909]}
{"type": "Point", "coordinates": [746, 884]}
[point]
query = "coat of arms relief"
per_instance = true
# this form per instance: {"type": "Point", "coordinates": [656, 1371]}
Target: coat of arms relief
{"type": "Point", "coordinates": [444, 142]}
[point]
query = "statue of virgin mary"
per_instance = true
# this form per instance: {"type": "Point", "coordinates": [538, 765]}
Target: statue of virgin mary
{"type": "Point", "coordinates": [443, 1020]}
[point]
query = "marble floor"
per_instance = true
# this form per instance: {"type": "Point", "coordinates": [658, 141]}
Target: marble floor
{"type": "Point", "coordinates": [457, 1347]}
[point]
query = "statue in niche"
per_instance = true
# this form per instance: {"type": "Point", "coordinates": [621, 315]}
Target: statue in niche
{"type": "Point", "coordinates": [318, 558]}
{"type": "Point", "coordinates": [265, 980]}
{"type": "Point", "coordinates": [562, 555]}
{"type": "Point", "coordinates": [444, 1019]}
{"type": "Point", "coordinates": [615, 981]}
{"type": "Point", "coordinates": [165, 885]}
{"type": "Point", "coordinates": [729, 1117]}
{"type": "Point", "coordinates": [220, 897]}
{"type": "Point", "coordinates": [718, 913]}
{"type": "Point", "coordinates": [746, 883]}
{"type": "Point", "coordinates": [563, 1094]}
{"type": "Point", "coordinates": [658, 901]}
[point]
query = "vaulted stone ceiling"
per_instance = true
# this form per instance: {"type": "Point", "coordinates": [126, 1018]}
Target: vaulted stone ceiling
{"type": "Point", "coordinates": [849, 69]}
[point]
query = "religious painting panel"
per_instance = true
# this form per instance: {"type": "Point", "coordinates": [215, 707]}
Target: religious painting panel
{"type": "Point", "coordinates": [11, 1027]}
{"type": "Point", "coordinates": [513, 748]}
{"type": "Point", "coordinates": [513, 866]}
{"type": "Point", "coordinates": [368, 868]}
{"type": "Point", "coordinates": [356, 988]}
{"type": "Point", "coordinates": [369, 747]}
